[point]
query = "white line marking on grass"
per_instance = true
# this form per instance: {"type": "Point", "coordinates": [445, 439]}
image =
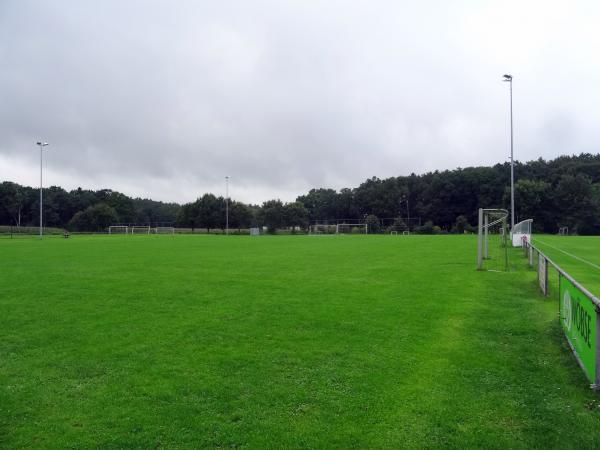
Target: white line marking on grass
{"type": "Point", "coordinates": [595, 266]}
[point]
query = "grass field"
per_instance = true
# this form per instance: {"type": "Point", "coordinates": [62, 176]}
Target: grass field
{"type": "Point", "coordinates": [578, 255]}
{"type": "Point", "coordinates": [281, 342]}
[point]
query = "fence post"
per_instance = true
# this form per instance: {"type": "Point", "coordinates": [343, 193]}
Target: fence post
{"type": "Point", "coordinates": [543, 273]}
{"type": "Point", "coordinates": [545, 277]}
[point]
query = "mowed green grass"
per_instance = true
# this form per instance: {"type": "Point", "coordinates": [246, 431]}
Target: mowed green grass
{"type": "Point", "coordinates": [280, 342]}
{"type": "Point", "coordinates": [577, 255]}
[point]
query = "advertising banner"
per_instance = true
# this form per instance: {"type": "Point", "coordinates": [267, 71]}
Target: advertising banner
{"type": "Point", "coordinates": [578, 320]}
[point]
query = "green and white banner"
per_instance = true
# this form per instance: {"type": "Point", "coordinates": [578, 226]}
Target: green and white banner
{"type": "Point", "coordinates": [578, 319]}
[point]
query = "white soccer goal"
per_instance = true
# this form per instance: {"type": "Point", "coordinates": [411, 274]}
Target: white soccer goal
{"type": "Point", "coordinates": [164, 230]}
{"type": "Point", "coordinates": [140, 229]}
{"type": "Point", "coordinates": [322, 229]}
{"type": "Point", "coordinates": [492, 245]}
{"type": "Point", "coordinates": [254, 231]}
{"type": "Point", "coordinates": [406, 233]}
{"type": "Point", "coordinates": [351, 228]}
{"type": "Point", "coordinates": [118, 229]}
{"type": "Point", "coordinates": [393, 233]}
{"type": "Point", "coordinates": [563, 231]}
{"type": "Point", "coordinates": [520, 232]}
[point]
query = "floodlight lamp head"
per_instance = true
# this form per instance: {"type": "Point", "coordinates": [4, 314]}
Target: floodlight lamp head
{"type": "Point", "coordinates": [42, 144]}
{"type": "Point", "coordinates": [507, 77]}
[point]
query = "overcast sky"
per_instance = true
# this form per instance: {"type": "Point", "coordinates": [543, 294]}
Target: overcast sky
{"type": "Point", "coordinates": [163, 99]}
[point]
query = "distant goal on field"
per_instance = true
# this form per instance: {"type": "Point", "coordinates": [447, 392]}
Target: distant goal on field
{"type": "Point", "coordinates": [140, 229]}
{"type": "Point", "coordinates": [351, 228]}
{"type": "Point", "coordinates": [118, 229]}
{"type": "Point", "coordinates": [321, 230]}
{"type": "Point", "coordinates": [338, 228]}
{"type": "Point", "coordinates": [164, 230]}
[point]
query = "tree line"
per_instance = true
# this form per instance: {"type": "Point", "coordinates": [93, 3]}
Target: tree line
{"type": "Point", "coordinates": [561, 192]}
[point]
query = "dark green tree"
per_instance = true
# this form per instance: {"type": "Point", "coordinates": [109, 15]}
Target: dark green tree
{"type": "Point", "coordinates": [272, 215]}
{"type": "Point", "coordinates": [211, 212]}
{"type": "Point", "coordinates": [320, 203]}
{"type": "Point", "coordinates": [12, 197]}
{"type": "Point", "coordinates": [295, 215]}
{"type": "Point", "coordinates": [188, 216]}
{"type": "Point", "coordinates": [94, 218]}
{"type": "Point", "coordinates": [240, 215]}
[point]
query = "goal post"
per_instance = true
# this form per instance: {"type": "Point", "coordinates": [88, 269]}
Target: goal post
{"type": "Point", "coordinates": [164, 230]}
{"type": "Point", "coordinates": [118, 229]}
{"type": "Point", "coordinates": [492, 245]}
{"type": "Point", "coordinates": [351, 228]}
{"type": "Point", "coordinates": [140, 229]}
{"type": "Point", "coordinates": [322, 229]}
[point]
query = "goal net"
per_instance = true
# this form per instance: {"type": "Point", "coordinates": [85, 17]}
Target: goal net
{"type": "Point", "coordinates": [118, 229]}
{"type": "Point", "coordinates": [520, 232]}
{"type": "Point", "coordinates": [563, 231]}
{"type": "Point", "coordinates": [164, 230]}
{"type": "Point", "coordinates": [351, 228]}
{"type": "Point", "coordinates": [140, 229]}
{"type": "Point", "coordinates": [492, 240]}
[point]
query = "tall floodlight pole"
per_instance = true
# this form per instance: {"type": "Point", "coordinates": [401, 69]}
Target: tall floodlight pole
{"type": "Point", "coordinates": [227, 205]}
{"type": "Point", "coordinates": [42, 145]}
{"type": "Point", "coordinates": [509, 78]}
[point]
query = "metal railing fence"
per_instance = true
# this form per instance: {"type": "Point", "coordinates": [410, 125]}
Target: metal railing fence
{"type": "Point", "coordinates": [579, 312]}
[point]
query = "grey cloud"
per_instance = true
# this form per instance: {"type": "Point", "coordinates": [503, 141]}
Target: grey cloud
{"type": "Point", "coordinates": [164, 99]}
